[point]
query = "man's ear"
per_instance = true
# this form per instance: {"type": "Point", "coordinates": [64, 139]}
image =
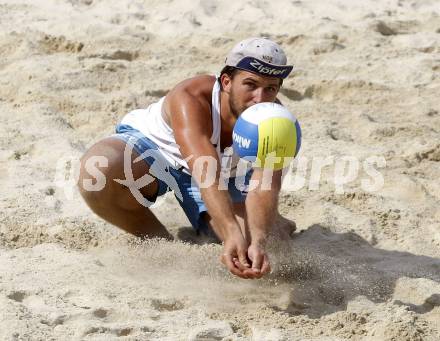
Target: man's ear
{"type": "Point", "coordinates": [226, 82]}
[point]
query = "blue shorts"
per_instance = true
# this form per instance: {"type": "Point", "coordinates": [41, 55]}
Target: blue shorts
{"type": "Point", "coordinates": [169, 178]}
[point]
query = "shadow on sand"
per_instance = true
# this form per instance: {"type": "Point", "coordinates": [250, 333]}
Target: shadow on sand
{"type": "Point", "coordinates": [327, 270]}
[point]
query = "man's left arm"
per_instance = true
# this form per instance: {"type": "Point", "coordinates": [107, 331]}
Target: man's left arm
{"type": "Point", "coordinates": [261, 211]}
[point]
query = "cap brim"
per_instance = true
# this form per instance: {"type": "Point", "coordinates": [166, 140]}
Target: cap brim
{"type": "Point", "coordinates": [262, 68]}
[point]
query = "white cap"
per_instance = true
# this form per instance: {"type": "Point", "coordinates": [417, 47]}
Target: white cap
{"type": "Point", "coordinates": [261, 56]}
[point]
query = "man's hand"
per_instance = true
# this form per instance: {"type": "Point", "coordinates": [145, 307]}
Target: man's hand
{"type": "Point", "coordinates": [259, 263]}
{"type": "Point", "coordinates": [234, 256]}
{"type": "Point", "coordinates": [259, 259]}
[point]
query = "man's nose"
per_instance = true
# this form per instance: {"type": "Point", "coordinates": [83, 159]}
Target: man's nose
{"type": "Point", "coordinates": [258, 95]}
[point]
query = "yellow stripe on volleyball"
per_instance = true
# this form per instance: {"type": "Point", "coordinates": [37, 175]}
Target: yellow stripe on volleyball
{"type": "Point", "coordinates": [276, 135]}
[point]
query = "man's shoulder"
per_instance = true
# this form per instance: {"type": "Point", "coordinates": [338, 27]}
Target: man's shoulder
{"type": "Point", "coordinates": [190, 99]}
{"type": "Point", "coordinates": [198, 86]}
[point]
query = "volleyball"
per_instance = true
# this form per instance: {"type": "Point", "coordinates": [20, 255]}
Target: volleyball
{"type": "Point", "coordinates": [267, 133]}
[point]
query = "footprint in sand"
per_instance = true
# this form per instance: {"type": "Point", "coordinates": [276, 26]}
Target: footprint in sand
{"type": "Point", "coordinates": [100, 313]}
{"type": "Point", "coordinates": [167, 304]}
{"type": "Point", "coordinates": [17, 296]}
{"type": "Point", "coordinates": [53, 44]}
{"type": "Point", "coordinates": [125, 331]}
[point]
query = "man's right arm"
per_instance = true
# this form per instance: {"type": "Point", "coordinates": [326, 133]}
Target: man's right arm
{"type": "Point", "coordinates": [189, 119]}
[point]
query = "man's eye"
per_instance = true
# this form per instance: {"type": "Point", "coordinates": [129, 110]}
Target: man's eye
{"type": "Point", "coordinates": [250, 85]}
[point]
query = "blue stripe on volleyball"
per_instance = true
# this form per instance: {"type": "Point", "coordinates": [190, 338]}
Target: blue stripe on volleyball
{"type": "Point", "coordinates": [245, 138]}
{"type": "Point", "coordinates": [298, 137]}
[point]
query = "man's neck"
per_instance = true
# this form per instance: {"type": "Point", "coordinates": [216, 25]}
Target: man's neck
{"type": "Point", "coordinates": [228, 119]}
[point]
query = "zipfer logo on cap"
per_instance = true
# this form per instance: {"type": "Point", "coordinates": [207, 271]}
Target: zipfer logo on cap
{"type": "Point", "coordinates": [256, 65]}
{"type": "Point", "coordinates": [265, 69]}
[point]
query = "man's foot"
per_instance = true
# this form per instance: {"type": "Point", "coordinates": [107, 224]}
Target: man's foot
{"type": "Point", "coordinates": [189, 235]}
{"type": "Point", "coordinates": [284, 227]}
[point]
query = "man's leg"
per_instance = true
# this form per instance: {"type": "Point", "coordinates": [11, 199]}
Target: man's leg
{"type": "Point", "coordinates": [284, 226]}
{"type": "Point", "coordinates": [115, 203]}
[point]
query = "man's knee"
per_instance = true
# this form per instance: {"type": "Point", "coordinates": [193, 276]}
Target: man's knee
{"type": "Point", "coordinates": [104, 163]}
{"type": "Point", "coordinates": [99, 166]}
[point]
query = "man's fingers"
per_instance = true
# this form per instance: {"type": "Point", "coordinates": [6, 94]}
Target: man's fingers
{"type": "Point", "coordinates": [230, 264]}
{"type": "Point", "coordinates": [242, 257]}
{"type": "Point", "coordinates": [257, 262]}
{"type": "Point", "coordinates": [227, 260]}
{"type": "Point", "coordinates": [248, 272]}
{"type": "Point", "coordinates": [265, 268]}
{"type": "Point", "coordinates": [240, 266]}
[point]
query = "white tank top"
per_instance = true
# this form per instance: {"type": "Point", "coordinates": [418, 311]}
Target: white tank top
{"type": "Point", "coordinates": [150, 122]}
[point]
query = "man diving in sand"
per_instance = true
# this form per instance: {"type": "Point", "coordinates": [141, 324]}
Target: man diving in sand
{"type": "Point", "coordinates": [195, 120]}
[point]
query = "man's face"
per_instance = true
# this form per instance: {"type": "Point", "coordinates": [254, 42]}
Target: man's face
{"type": "Point", "coordinates": [247, 89]}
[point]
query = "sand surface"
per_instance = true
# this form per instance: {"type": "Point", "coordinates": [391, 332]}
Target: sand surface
{"type": "Point", "coordinates": [363, 266]}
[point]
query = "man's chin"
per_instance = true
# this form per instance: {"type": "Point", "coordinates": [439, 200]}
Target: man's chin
{"type": "Point", "coordinates": [242, 111]}
{"type": "Point", "coordinates": [236, 113]}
